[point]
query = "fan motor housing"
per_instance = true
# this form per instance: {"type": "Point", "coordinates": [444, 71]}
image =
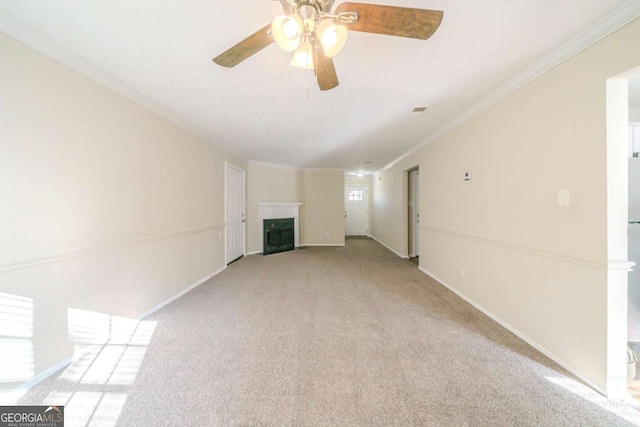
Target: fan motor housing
{"type": "Point", "coordinates": [325, 5]}
{"type": "Point", "coordinates": [319, 5]}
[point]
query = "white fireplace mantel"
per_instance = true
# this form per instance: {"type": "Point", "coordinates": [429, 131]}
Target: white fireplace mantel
{"type": "Point", "coordinates": [276, 210]}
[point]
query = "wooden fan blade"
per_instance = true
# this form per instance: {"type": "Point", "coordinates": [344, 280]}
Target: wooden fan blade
{"type": "Point", "coordinates": [247, 47]}
{"type": "Point", "coordinates": [392, 20]}
{"type": "Point", "coordinates": [325, 71]}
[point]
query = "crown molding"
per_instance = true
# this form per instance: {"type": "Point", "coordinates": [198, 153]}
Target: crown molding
{"type": "Point", "coordinates": [40, 43]}
{"type": "Point", "coordinates": [611, 22]}
{"type": "Point", "coordinates": [298, 168]}
{"type": "Point", "coordinates": [274, 165]}
{"type": "Point", "coordinates": [324, 170]}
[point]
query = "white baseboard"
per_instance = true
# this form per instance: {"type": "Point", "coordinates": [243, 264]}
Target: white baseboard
{"type": "Point", "coordinates": [387, 246]}
{"type": "Point", "coordinates": [181, 293]}
{"type": "Point", "coordinates": [260, 252]}
{"type": "Point", "coordinates": [66, 362]}
{"type": "Point", "coordinates": [55, 368]}
{"type": "Point", "coordinates": [321, 244]}
{"type": "Point", "coordinates": [519, 334]}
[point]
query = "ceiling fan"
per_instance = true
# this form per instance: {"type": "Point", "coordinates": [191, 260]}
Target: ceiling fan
{"type": "Point", "coordinates": [315, 35]}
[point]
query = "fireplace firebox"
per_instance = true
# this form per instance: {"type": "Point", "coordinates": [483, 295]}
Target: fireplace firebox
{"type": "Point", "coordinates": [279, 235]}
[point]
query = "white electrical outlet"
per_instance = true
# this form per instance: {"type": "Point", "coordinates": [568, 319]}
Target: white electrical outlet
{"type": "Point", "coordinates": [328, 234]}
{"type": "Point", "coordinates": [467, 176]}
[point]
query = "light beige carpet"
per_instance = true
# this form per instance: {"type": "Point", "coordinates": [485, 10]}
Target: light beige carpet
{"type": "Point", "coordinates": [351, 336]}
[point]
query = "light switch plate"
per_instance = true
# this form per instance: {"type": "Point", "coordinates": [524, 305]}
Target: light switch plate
{"type": "Point", "coordinates": [467, 176]}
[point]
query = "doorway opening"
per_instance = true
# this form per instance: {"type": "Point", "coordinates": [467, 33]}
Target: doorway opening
{"type": "Point", "coordinates": [234, 201]}
{"type": "Point", "coordinates": [621, 325]}
{"type": "Point", "coordinates": [413, 212]}
{"type": "Point", "coordinates": [633, 235]}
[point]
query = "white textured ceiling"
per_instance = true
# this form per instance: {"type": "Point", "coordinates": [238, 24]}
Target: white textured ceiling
{"type": "Point", "coordinates": [266, 110]}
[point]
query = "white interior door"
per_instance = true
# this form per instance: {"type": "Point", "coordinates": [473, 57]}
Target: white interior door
{"type": "Point", "coordinates": [234, 212]}
{"type": "Point", "coordinates": [416, 209]}
{"type": "Point", "coordinates": [414, 213]}
{"type": "Point", "coordinates": [356, 205]}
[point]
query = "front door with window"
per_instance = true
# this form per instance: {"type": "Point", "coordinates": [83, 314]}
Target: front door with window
{"type": "Point", "coordinates": [356, 205]}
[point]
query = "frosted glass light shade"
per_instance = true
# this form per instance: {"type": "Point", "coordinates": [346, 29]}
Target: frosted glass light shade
{"type": "Point", "coordinates": [286, 31]}
{"type": "Point", "coordinates": [303, 57]}
{"type": "Point", "coordinates": [332, 37]}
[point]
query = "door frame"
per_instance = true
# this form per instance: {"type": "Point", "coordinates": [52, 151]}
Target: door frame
{"type": "Point", "coordinates": [618, 264]}
{"type": "Point", "coordinates": [368, 205]}
{"type": "Point", "coordinates": [413, 223]}
{"type": "Point", "coordinates": [244, 211]}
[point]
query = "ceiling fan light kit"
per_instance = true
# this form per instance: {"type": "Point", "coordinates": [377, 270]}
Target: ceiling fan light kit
{"type": "Point", "coordinates": [332, 37]}
{"type": "Point", "coordinates": [304, 32]}
{"type": "Point", "coordinates": [308, 29]}
{"type": "Point", "coordinates": [287, 31]}
{"type": "Point", "coordinates": [303, 57]}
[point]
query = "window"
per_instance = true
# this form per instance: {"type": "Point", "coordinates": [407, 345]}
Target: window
{"type": "Point", "coordinates": [355, 195]}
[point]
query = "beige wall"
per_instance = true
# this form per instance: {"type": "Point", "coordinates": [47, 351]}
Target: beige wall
{"type": "Point", "coordinates": [500, 240]}
{"type": "Point", "coordinates": [323, 207]}
{"type": "Point", "coordinates": [270, 183]}
{"type": "Point", "coordinates": [320, 190]}
{"type": "Point", "coordinates": [106, 207]}
{"type": "Point", "coordinates": [634, 115]}
{"type": "Point", "coordinates": [358, 181]}
{"type": "Point", "coordinates": [390, 204]}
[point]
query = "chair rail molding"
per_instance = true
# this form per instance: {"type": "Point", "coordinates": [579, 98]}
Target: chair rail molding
{"type": "Point", "coordinates": [546, 253]}
{"type": "Point", "coordinates": [62, 256]}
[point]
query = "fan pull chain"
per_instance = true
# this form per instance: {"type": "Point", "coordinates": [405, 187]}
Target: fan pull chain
{"type": "Point", "coordinates": [315, 61]}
